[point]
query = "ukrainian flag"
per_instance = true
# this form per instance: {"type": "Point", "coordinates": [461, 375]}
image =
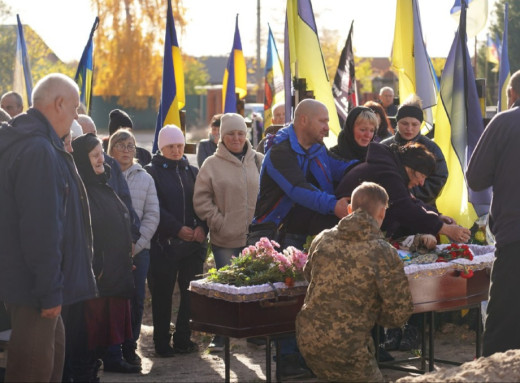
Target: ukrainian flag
{"type": "Point", "coordinates": [457, 130]}
{"type": "Point", "coordinates": [84, 74]}
{"type": "Point", "coordinates": [410, 59]}
{"type": "Point", "coordinates": [274, 92]}
{"type": "Point", "coordinates": [304, 60]}
{"type": "Point", "coordinates": [172, 95]}
{"type": "Point", "coordinates": [492, 51]}
{"type": "Point", "coordinates": [22, 70]}
{"type": "Point", "coordinates": [504, 73]}
{"type": "Point", "coordinates": [235, 76]}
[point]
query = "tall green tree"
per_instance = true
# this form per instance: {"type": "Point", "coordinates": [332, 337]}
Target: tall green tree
{"type": "Point", "coordinates": [488, 70]}
{"type": "Point", "coordinates": [497, 26]}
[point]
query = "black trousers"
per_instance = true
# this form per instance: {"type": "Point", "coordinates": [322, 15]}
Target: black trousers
{"type": "Point", "coordinates": [164, 271]}
{"type": "Point", "coordinates": [502, 329]}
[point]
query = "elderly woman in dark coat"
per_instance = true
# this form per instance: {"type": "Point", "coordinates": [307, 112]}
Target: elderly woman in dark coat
{"type": "Point", "coordinates": [179, 246]}
{"type": "Point", "coordinates": [108, 319]}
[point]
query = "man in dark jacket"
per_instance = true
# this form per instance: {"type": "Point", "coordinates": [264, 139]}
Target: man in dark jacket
{"type": "Point", "coordinates": [296, 190]}
{"type": "Point", "coordinates": [495, 163]}
{"type": "Point", "coordinates": [46, 252]}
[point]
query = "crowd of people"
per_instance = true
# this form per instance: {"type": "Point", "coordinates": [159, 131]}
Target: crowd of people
{"type": "Point", "coordinates": [87, 223]}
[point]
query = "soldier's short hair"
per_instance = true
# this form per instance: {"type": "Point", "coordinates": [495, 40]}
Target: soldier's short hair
{"type": "Point", "coordinates": [369, 197]}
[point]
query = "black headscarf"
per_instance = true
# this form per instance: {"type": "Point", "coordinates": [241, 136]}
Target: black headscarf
{"type": "Point", "coordinates": [347, 146]}
{"type": "Point", "coordinates": [82, 146]}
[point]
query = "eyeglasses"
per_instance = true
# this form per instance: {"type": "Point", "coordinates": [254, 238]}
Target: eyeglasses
{"type": "Point", "coordinates": [122, 148]}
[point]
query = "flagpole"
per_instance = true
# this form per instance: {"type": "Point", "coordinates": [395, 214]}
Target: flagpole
{"type": "Point", "coordinates": [475, 55]}
{"type": "Point", "coordinates": [486, 57]}
{"type": "Point", "coordinates": [296, 87]}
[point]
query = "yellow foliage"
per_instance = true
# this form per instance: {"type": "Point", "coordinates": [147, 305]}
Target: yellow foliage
{"type": "Point", "coordinates": [129, 45]}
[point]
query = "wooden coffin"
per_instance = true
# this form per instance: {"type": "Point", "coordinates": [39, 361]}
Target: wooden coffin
{"type": "Point", "coordinates": [244, 319]}
{"type": "Point", "coordinates": [448, 291]}
{"type": "Point", "coordinates": [445, 292]}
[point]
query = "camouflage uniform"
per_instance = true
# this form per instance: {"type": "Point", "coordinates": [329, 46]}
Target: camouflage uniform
{"type": "Point", "coordinates": [356, 280]}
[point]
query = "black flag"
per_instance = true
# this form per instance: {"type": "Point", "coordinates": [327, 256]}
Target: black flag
{"type": "Point", "coordinates": [344, 87]}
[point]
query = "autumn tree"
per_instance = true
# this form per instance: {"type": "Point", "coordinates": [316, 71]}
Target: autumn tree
{"type": "Point", "coordinates": [129, 46]}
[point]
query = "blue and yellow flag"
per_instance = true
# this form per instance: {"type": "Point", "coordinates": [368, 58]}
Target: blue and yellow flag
{"type": "Point", "coordinates": [410, 59]}
{"type": "Point", "coordinates": [504, 73]}
{"type": "Point", "coordinates": [172, 94]}
{"type": "Point", "coordinates": [457, 130]}
{"type": "Point", "coordinates": [491, 51]}
{"type": "Point", "coordinates": [235, 75]}
{"type": "Point", "coordinates": [273, 86]}
{"type": "Point", "coordinates": [303, 59]}
{"type": "Point", "coordinates": [84, 75]}
{"type": "Point", "coordinates": [22, 70]}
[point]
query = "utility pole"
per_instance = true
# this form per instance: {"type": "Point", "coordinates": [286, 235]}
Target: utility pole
{"type": "Point", "coordinates": [259, 92]}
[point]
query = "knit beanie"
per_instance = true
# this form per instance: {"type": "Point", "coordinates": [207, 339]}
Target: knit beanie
{"type": "Point", "coordinates": [169, 135]}
{"type": "Point", "coordinates": [409, 111]}
{"type": "Point", "coordinates": [230, 122]}
{"type": "Point", "coordinates": [118, 119]}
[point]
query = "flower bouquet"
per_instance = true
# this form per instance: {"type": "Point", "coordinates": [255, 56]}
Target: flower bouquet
{"type": "Point", "coordinates": [455, 251]}
{"type": "Point", "coordinates": [261, 264]}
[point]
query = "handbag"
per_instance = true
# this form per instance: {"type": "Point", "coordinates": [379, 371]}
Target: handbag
{"type": "Point", "coordinates": [179, 249]}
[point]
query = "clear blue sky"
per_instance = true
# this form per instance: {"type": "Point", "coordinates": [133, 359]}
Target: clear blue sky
{"type": "Point", "coordinates": [65, 24]}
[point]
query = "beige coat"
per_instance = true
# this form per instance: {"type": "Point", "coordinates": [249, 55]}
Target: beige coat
{"type": "Point", "coordinates": [225, 195]}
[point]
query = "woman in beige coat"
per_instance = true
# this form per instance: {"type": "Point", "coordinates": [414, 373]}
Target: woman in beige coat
{"type": "Point", "coordinates": [226, 190]}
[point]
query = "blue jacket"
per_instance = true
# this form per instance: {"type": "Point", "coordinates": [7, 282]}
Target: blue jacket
{"type": "Point", "coordinates": [289, 174]}
{"type": "Point", "coordinates": [45, 235]}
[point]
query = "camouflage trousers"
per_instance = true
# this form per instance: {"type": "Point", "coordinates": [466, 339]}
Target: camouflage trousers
{"type": "Point", "coordinates": [328, 363]}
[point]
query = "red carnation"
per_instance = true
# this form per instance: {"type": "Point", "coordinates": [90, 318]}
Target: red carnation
{"type": "Point", "coordinates": [466, 274]}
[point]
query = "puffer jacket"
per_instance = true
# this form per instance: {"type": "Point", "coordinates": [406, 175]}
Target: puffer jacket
{"type": "Point", "coordinates": [145, 203]}
{"type": "Point", "coordinates": [225, 194]}
{"type": "Point", "coordinates": [174, 182]}
{"type": "Point", "coordinates": [45, 235]}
